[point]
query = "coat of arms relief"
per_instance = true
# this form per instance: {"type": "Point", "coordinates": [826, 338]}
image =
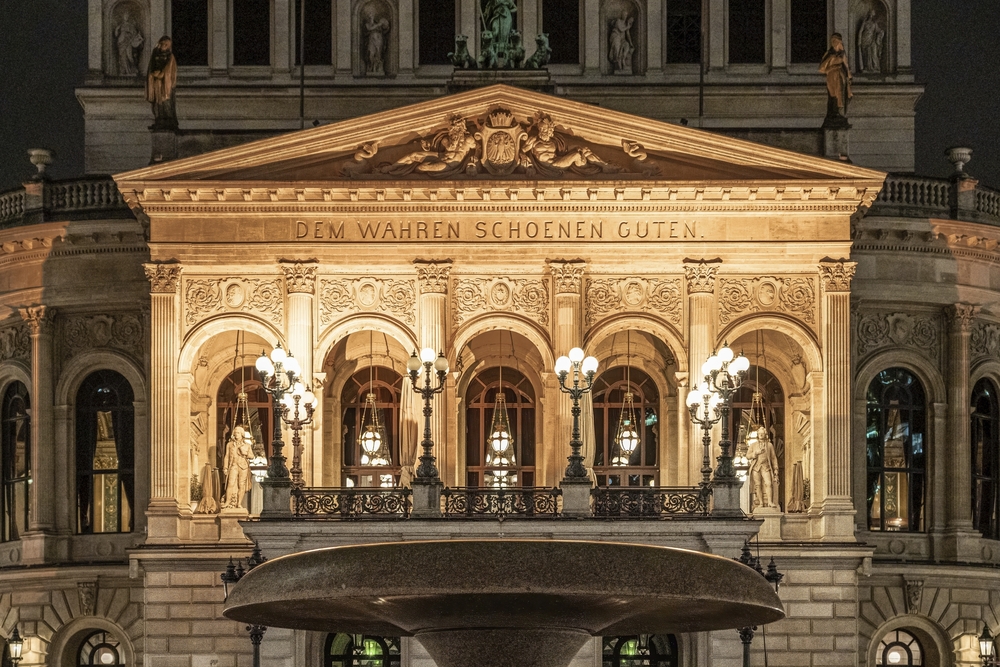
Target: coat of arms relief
{"type": "Point", "coordinates": [499, 145]}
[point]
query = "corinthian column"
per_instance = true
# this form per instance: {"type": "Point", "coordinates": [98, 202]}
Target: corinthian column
{"type": "Point", "coordinates": [300, 283]}
{"type": "Point", "coordinates": [164, 280]}
{"type": "Point", "coordinates": [960, 319]}
{"type": "Point", "coordinates": [567, 333]}
{"type": "Point", "coordinates": [432, 315]}
{"type": "Point", "coordinates": [42, 516]}
{"type": "Point", "coordinates": [832, 492]}
{"type": "Point", "coordinates": [701, 343]}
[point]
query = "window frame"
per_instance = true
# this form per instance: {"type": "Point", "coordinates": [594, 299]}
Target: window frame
{"type": "Point", "coordinates": [514, 383]}
{"type": "Point", "coordinates": [8, 477]}
{"type": "Point", "coordinates": [986, 389]}
{"type": "Point", "coordinates": [645, 471]}
{"type": "Point", "coordinates": [761, 66]}
{"type": "Point", "coordinates": [386, 380]}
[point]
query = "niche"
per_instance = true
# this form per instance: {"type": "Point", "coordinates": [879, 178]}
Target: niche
{"type": "Point", "coordinates": [623, 37]}
{"type": "Point", "coordinates": [375, 39]}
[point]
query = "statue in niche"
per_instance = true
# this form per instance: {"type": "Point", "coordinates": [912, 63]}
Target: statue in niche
{"type": "Point", "coordinates": [551, 156]}
{"type": "Point", "coordinates": [161, 82]}
{"type": "Point", "coordinates": [620, 46]}
{"type": "Point", "coordinates": [540, 58]}
{"type": "Point", "coordinates": [871, 36]}
{"type": "Point", "coordinates": [237, 465]}
{"type": "Point", "coordinates": [498, 20]}
{"type": "Point", "coordinates": [376, 30]}
{"type": "Point", "coordinates": [128, 45]}
{"type": "Point", "coordinates": [838, 82]}
{"type": "Point", "coordinates": [442, 155]}
{"type": "Point", "coordinates": [763, 473]}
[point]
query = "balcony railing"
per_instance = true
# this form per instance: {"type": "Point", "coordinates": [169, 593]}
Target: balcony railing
{"type": "Point", "coordinates": [351, 503]}
{"type": "Point", "coordinates": [640, 502]}
{"type": "Point", "coordinates": [488, 503]}
{"type": "Point", "coordinates": [87, 198]}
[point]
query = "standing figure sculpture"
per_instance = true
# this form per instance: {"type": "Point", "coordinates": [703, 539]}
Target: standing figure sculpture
{"type": "Point", "coordinates": [161, 81]}
{"type": "Point", "coordinates": [128, 44]}
{"type": "Point", "coordinates": [763, 471]}
{"type": "Point", "coordinates": [871, 36]}
{"type": "Point", "coordinates": [620, 46]}
{"type": "Point", "coordinates": [838, 81]}
{"type": "Point", "coordinates": [237, 466]}
{"type": "Point", "coordinates": [498, 19]}
{"type": "Point", "coordinates": [375, 32]}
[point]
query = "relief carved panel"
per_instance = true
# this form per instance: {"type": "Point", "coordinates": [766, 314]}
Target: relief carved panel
{"type": "Point", "coordinates": [526, 296]}
{"type": "Point", "coordinates": [203, 298]}
{"type": "Point", "coordinates": [984, 340]}
{"type": "Point", "coordinates": [878, 330]}
{"type": "Point", "coordinates": [367, 295]}
{"type": "Point", "coordinates": [15, 342]}
{"type": "Point", "coordinates": [122, 331]}
{"type": "Point", "coordinates": [792, 296]}
{"type": "Point", "coordinates": [661, 296]}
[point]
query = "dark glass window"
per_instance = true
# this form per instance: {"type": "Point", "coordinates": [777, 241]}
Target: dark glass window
{"type": "Point", "coordinates": [747, 25]}
{"type": "Point", "coordinates": [561, 20]}
{"type": "Point", "coordinates": [251, 32]}
{"type": "Point", "coordinates": [481, 399]}
{"type": "Point", "coordinates": [640, 651]}
{"type": "Point", "coordinates": [760, 474]}
{"type": "Point", "coordinates": [344, 650]}
{"type": "Point", "coordinates": [808, 30]}
{"type": "Point", "coordinates": [386, 384]}
{"type": "Point", "coordinates": [896, 451]}
{"type": "Point", "coordinates": [899, 649]}
{"type": "Point", "coordinates": [684, 31]}
{"type": "Point", "coordinates": [986, 460]}
{"type": "Point", "coordinates": [189, 31]}
{"type": "Point", "coordinates": [16, 461]}
{"type": "Point", "coordinates": [318, 37]}
{"type": "Point", "coordinates": [437, 31]}
{"type": "Point", "coordinates": [100, 649]}
{"type": "Point", "coordinates": [610, 465]}
{"type": "Point", "coordinates": [105, 446]}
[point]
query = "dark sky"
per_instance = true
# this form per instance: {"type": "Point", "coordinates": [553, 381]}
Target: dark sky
{"type": "Point", "coordinates": [43, 57]}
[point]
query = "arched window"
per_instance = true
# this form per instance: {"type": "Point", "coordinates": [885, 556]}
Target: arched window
{"type": "Point", "coordinates": [896, 451]}
{"type": "Point", "coordinates": [343, 650]}
{"type": "Point", "coordinates": [100, 649]}
{"type": "Point", "coordinates": [15, 461]}
{"type": "Point", "coordinates": [481, 399]}
{"type": "Point", "coordinates": [986, 459]}
{"type": "Point", "coordinates": [386, 384]}
{"type": "Point", "coordinates": [104, 454]}
{"type": "Point", "coordinates": [772, 404]}
{"type": "Point", "coordinates": [610, 464]}
{"type": "Point", "coordinates": [899, 649]}
{"type": "Point", "coordinates": [258, 413]}
{"type": "Point", "coordinates": [640, 651]}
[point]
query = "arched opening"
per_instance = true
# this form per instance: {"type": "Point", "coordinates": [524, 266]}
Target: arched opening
{"type": "Point", "coordinates": [253, 413]}
{"type": "Point", "coordinates": [351, 650]}
{"type": "Point", "coordinates": [100, 649]}
{"type": "Point", "coordinates": [614, 464]}
{"type": "Point", "coordinates": [640, 651]}
{"type": "Point", "coordinates": [105, 437]}
{"type": "Point", "coordinates": [896, 451]}
{"type": "Point", "coordinates": [757, 425]}
{"type": "Point", "coordinates": [489, 462]}
{"type": "Point", "coordinates": [899, 648]}
{"type": "Point", "coordinates": [985, 434]}
{"type": "Point", "coordinates": [371, 402]}
{"type": "Point", "coordinates": [15, 466]}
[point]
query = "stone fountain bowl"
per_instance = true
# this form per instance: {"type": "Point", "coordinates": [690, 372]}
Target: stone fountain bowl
{"type": "Point", "coordinates": [503, 602]}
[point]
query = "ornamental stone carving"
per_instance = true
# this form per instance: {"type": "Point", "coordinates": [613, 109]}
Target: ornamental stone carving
{"type": "Point", "coordinates": [984, 340]}
{"type": "Point", "coordinates": [15, 342]}
{"type": "Point", "coordinates": [39, 318]}
{"type": "Point", "coordinates": [474, 296]}
{"type": "Point", "coordinates": [121, 331]}
{"type": "Point", "coordinates": [300, 277]}
{"type": "Point", "coordinates": [661, 296]}
{"type": "Point", "coordinates": [914, 595]}
{"type": "Point", "coordinates": [878, 330]}
{"type": "Point", "coordinates": [567, 275]}
{"type": "Point", "coordinates": [837, 275]}
{"type": "Point", "coordinates": [792, 296]}
{"type": "Point", "coordinates": [397, 298]}
{"type": "Point", "coordinates": [203, 298]}
{"type": "Point", "coordinates": [701, 276]}
{"type": "Point", "coordinates": [163, 277]}
{"type": "Point", "coordinates": [87, 592]}
{"type": "Point", "coordinates": [433, 275]}
{"type": "Point", "coordinates": [961, 316]}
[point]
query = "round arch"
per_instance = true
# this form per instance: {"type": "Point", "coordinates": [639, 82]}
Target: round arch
{"type": "Point", "coordinates": [924, 370]}
{"type": "Point", "coordinates": [938, 648]}
{"type": "Point", "coordinates": [802, 336]}
{"type": "Point", "coordinates": [83, 365]}
{"type": "Point", "coordinates": [66, 640]}
{"type": "Point", "coordinates": [195, 339]}
{"type": "Point", "coordinates": [358, 323]}
{"type": "Point", "coordinates": [15, 371]}
{"type": "Point", "coordinates": [640, 322]}
{"type": "Point", "coordinates": [510, 321]}
{"type": "Point", "coordinates": [988, 369]}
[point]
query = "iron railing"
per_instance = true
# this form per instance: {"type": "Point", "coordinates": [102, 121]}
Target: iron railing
{"type": "Point", "coordinates": [351, 503]}
{"type": "Point", "coordinates": [639, 502]}
{"type": "Point", "coordinates": [490, 503]}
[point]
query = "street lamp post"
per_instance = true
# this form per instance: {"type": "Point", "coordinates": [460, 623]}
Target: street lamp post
{"type": "Point", "coordinates": [14, 646]}
{"type": "Point", "coordinates": [297, 406]}
{"type": "Point", "coordinates": [773, 577]}
{"type": "Point", "coordinates": [278, 373]}
{"type": "Point", "coordinates": [230, 576]}
{"type": "Point", "coordinates": [703, 404]}
{"type": "Point", "coordinates": [427, 470]}
{"type": "Point", "coordinates": [585, 367]}
{"type": "Point", "coordinates": [987, 648]}
{"type": "Point", "coordinates": [724, 372]}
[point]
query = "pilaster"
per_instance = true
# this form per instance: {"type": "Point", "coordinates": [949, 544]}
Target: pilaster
{"type": "Point", "coordinates": [42, 516]}
{"type": "Point", "coordinates": [300, 285]}
{"type": "Point", "coordinates": [432, 315]}
{"type": "Point", "coordinates": [701, 276]}
{"type": "Point", "coordinates": [567, 333]}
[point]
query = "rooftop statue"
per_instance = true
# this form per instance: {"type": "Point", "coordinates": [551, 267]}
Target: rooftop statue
{"type": "Point", "coordinates": [161, 82]}
{"type": "Point", "coordinates": [838, 82]}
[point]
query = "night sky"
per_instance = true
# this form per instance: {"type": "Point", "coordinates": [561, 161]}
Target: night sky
{"type": "Point", "coordinates": [43, 57]}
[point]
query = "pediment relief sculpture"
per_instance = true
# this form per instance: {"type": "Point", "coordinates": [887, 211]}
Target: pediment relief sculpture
{"type": "Point", "coordinates": [499, 145]}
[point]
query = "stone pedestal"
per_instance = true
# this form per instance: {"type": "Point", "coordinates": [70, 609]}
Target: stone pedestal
{"type": "Point", "coordinates": [836, 143]}
{"type": "Point", "coordinates": [726, 497]}
{"type": "Point", "coordinates": [229, 525]}
{"type": "Point", "coordinates": [533, 79]}
{"type": "Point", "coordinates": [576, 496]}
{"type": "Point", "coordinates": [164, 146]}
{"type": "Point", "coordinates": [426, 498]}
{"type": "Point", "coordinates": [770, 530]}
{"type": "Point", "coordinates": [277, 499]}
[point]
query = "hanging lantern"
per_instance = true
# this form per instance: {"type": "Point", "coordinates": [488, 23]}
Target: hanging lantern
{"type": "Point", "coordinates": [374, 446]}
{"type": "Point", "coordinates": [500, 444]}
{"type": "Point", "coordinates": [627, 436]}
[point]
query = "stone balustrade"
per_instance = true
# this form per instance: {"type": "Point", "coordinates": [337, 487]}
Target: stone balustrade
{"type": "Point", "coordinates": [916, 196]}
{"type": "Point", "coordinates": [38, 201]}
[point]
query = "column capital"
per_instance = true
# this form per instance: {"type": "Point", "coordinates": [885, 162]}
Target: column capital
{"type": "Point", "coordinates": [961, 316]}
{"type": "Point", "coordinates": [700, 274]}
{"type": "Point", "coordinates": [39, 317]}
{"type": "Point", "coordinates": [433, 275]}
{"type": "Point", "coordinates": [837, 274]}
{"type": "Point", "coordinates": [300, 277]}
{"type": "Point", "coordinates": [164, 277]}
{"type": "Point", "coordinates": [567, 274]}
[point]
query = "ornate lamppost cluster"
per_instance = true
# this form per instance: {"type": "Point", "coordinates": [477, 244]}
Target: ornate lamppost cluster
{"type": "Point", "coordinates": [773, 577]}
{"type": "Point", "coordinates": [987, 648]}
{"type": "Point", "coordinates": [278, 374]}
{"type": "Point", "coordinates": [583, 367]}
{"type": "Point", "coordinates": [230, 576]}
{"type": "Point", "coordinates": [427, 470]}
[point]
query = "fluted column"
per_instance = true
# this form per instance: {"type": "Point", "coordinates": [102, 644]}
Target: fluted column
{"type": "Point", "coordinates": [300, 283]}
{"type": "Point", "coordinates": [567, 333]}
{"type": "Point", "coordinates": [164, 281]}
{"type": "Point", "coordinates": [832, 492]}
{"type": "Point", "coordinates": [42, 515]}
{"type": "Point", "coordinates": [701, 343]}
{"type": "Point", "coordinates": [432, 275]}
{"type": "Point", "coordinates": [960, 319]}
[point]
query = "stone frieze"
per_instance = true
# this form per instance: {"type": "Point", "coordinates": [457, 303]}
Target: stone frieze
{"type": "Point", "coordinates": [660, 296]}
{"type": "Point", "coordinates": [526, 296]}
{"type": "Point", "coordinates": [792, 296]}
{"type": "Point", "coordinates": [203, 298]}
{"type": "Point", "coordinates": [876, 330]}
{"type": "Point", "coordinates": [121, 331]}
{"type": "Point", "coordinates": [338, 296]}
{"type": "Point", "coordinates": [15, 342]}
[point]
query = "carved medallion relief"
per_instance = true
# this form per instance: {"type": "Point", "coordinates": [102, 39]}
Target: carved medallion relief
{"type": "Point", "coordinates": [792, 296]}
{"type": "Point", "coordinates": [121, 331]}
{"type": "Point", "coordinates": [338, 296]}
{"type": "Point", "coordinates": [203, 298]}
{"type": "Point", "coordinates": [660, 296]}
{"type": "Point", "coordinates": [878, 330]}
{"type": "Point", "coordinates": [525, 296]}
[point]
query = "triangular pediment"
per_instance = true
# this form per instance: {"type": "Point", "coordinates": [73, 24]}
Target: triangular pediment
{"type": "Point", "coordinates": [499, 133]}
